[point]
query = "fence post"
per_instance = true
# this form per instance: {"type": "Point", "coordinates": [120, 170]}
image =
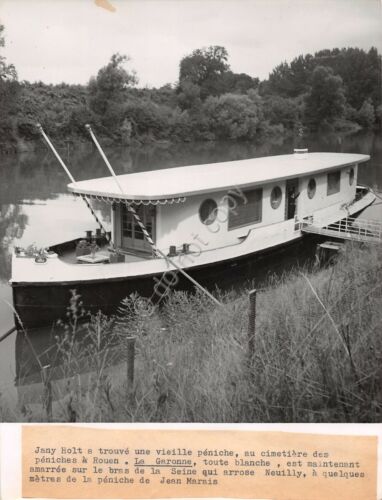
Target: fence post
{"type": "Point", "coordinates": [47, 392]}
{"type": "Point", "coordinates": [130, 364]}
{"type": "Point", "coordinates": [251, 325]}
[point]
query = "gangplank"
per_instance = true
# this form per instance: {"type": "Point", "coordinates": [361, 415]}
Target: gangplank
{"type": "Point", "coordinates": [349, 228]}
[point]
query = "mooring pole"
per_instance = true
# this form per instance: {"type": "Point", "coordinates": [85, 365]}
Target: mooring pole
{"type": "Point", "coordinates": [101, 152]}
{"type": "Point", "coordinates": [130, 368]}
{"type": "Point", "coordinates": [146, 234]}
{"type": "Point", "coordinates": [130, 363]}
{"type": "Point", "coordinates": [47, 392]}
{"type": "Point", "coordinates": [251, 324]}
{"type": "Point", "coordinates": [41, 130]}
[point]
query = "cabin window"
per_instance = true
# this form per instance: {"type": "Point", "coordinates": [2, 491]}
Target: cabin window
{"type": "Point", "coordinates": [208, 211]}
{"type": "Point", "coordinates": [276, 196]}
{"type": "Point", "coordinates": [311, 188]}
{"type": "Point", "coordinates": [248, 209]}
{"type": "Point", "coordinates": [351, 176]}
{"type": "Point", "coordinates": [334, 180]}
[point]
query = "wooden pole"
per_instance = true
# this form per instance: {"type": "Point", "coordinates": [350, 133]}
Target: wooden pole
{"type": "Point", "coordinates": [61, 162]}
{"type": "Point", "coordinates": [130, 364]}
{"type": "Point", "coordinates": [251, 325]}
{"type": "Point", "coordinates": [47, 393]}
{"type": "Point", "coordinates": [59, 159]}
{"type": "Point", "coordinates": [104, 157]}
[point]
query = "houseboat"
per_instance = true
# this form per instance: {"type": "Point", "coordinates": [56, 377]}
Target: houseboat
{"type": "Point", "coordinates": [188, 222]}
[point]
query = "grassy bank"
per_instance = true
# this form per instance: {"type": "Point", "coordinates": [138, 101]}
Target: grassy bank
{"type": "Point", "coordinates": [317, 355]}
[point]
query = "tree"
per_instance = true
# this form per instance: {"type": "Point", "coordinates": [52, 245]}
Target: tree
{"type": "Point", "coordinates": [291, 80]}
{"type": "Point", "coordinates": [279, 81]}
{"type": "Point", "coordinates": [204, 68]}
{"type": "Point", "coordinates": [238, 83]}
{"type": "Point", "coordinates": [359, 70]}
{"type": "Point", "coordinates": [378, 115]}
{"type": "Point", "coordinates": [326, 100]}
{"type": "Point", "coordinates": [148, 121]}
{"type": "Point", "coordinates": [188, 95]}
{"type": "Point", "coordinates": [8, 72]}
{"type": "Point", "coordinates": [282, 110]}
{"type": "Point", "coordinates": [79, 117]}
{"type": "Point", "coordinates": [110, 84]}
{"type": "Point", "coordinates": [366, 114]}
{"type": "Point", "coordinates": [234, 116]}
{"type": "Point", "coordinates": [9, 90]}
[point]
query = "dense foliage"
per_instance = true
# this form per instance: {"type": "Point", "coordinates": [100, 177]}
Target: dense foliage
{"type": "Point", "coordinates": [332, 89]}
{"type": "Point", "coordinates": [352, 72]}
{"type": "Point", "coordinates": [9, 90]}
{"type": "Point", "coordinates": [325, 100]}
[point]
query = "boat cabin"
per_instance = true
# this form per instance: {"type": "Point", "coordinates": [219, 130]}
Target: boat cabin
{"type": "Point", "coordinates": [205, 207]}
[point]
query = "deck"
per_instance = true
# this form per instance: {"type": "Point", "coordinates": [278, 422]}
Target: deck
{"type": "Point", "coordinates": [68, 254]}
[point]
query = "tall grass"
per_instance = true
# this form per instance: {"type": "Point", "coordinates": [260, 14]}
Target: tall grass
{"type": "Point", "coordinates": [318, 353]}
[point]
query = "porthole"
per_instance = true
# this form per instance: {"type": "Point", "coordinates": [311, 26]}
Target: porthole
{"type": "Point", "coordinates": [276, 196]}
{"type": "Point", "coordinates": [351, 176]}
{"type": "Point", "coordinates": [208, 211]}
{"type": "Point", "coordinates": [311, 188]}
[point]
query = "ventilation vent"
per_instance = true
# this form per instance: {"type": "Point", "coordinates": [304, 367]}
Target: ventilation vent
{"type": "Point", "coordinates": [301, 153]}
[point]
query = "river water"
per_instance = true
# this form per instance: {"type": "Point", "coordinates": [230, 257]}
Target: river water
{"type": "Point", "coordinates": [35, 207]}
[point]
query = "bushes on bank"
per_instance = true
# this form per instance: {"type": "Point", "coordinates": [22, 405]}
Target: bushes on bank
{"type": "Point", "coordinates": [209, 102]}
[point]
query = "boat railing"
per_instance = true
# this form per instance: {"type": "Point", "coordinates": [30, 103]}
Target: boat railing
{"type": "Point", "coordinates": [348, 228]}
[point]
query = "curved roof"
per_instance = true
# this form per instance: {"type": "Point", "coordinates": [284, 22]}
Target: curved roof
{"type": "Point", "coordinates": [170, 183]}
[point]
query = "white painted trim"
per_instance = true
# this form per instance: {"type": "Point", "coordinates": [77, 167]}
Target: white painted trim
{"type": "Point", "coordinates": [25, 270]}
{"type": "Point", "coordinates": [213, 177]}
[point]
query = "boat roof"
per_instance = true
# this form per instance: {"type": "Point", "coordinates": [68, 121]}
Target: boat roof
{"type": "Point", "coordinates": [171, 184]}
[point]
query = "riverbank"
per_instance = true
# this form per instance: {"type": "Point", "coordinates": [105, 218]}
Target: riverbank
{"type": "Point", "coordinates": [80, 143]}
{"type": "Point", "coordinates": [73, 148]}
{"type": "Point", "coordinates": [314, 360]}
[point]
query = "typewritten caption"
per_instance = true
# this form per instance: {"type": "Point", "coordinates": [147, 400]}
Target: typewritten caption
{"type": "Point", "coordinates": [78, 462]}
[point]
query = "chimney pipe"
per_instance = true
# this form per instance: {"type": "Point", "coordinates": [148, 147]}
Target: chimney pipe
{"type": "Point", "coordinates": [300, 154]}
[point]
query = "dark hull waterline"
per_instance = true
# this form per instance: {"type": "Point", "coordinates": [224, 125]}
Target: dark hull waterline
{"type": "Point", "coordinates": [42, 304]}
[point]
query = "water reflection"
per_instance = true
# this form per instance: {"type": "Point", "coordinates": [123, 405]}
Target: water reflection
{"type": "Point", "coordinates": [38, 176]}
{"type": "Point", "coordinates": [12, 226]}
{"type": "Point", "coordinates": [35, 206]}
